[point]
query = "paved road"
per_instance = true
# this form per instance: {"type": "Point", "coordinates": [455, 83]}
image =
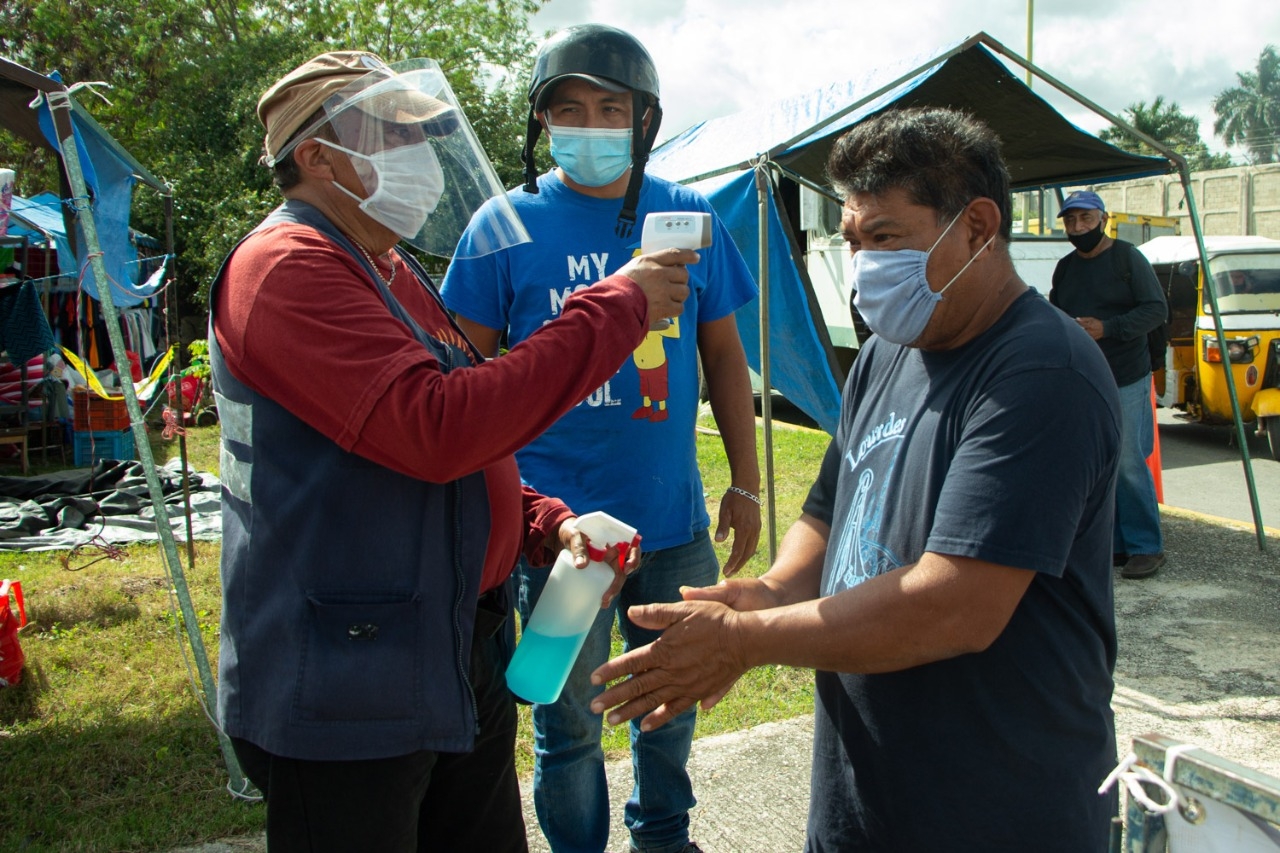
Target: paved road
{"type": "Point", "coordinates": [1203, 471]}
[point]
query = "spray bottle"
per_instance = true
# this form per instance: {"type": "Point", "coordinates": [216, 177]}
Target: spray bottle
{"type": "Point", "coordinates": [557, 628]}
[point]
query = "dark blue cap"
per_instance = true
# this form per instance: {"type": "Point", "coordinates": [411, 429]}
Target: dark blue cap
{"type": "Point", "coordinates": [1082, 200]}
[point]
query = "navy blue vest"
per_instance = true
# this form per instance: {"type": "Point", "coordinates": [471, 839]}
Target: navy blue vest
{"type": "Point", "coordinates": [349, 590]}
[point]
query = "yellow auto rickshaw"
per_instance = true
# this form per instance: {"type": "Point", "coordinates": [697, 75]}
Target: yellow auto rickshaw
{"type": "Point", "coordinates": [1244, 273]}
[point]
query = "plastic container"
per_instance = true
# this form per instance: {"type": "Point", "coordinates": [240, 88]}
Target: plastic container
{"type": "Point", "coordinates": [550, 642]}
{"type": "Point", "coordinates": [91, 413]}
{"type": "Point", "coordinates": [91, 447]}
{"type": "Point", "coordinates": [11, 656]}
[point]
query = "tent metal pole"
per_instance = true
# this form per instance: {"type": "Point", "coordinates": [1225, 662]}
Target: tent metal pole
{"type": "Point", "coordinates": [174, 333]}
{"type": "Point", "coordinates": [60, 105]}
{"type": "Point", "coordinates": [1031, 16]}
{"type": "Point", "coordinates": [1184, 173]}
{"type": "Point", "coordinates": [1159, 147]}
{"type": "Point", "coordinates": [766, 394]}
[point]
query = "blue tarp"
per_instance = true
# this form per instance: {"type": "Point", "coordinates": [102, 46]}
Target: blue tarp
{"type": "Point", "coordinates": [40, 218]}
{"type": "Point", "coordinates": [110, 176]}
{"type": "Point", "coordinates": [794, 136]}
{"type": "Point", "coordinates": [109, 171]}
{"type": "Point", "coordinates": [799, 358]}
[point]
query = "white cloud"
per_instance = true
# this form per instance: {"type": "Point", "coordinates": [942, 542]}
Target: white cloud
{"type": "Point", "coordinates": [716, 57]}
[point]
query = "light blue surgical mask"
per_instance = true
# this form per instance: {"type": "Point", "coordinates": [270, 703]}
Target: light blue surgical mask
{"type": "Point", "coordinates": [591, 156]}
{"type": "Point", "coordinates": [893, 293]}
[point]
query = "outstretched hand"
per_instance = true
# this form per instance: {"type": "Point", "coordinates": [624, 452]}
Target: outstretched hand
{"type": "Point", "coordinates": [698, 657]}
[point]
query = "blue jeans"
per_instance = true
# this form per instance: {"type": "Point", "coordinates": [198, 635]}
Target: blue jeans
{"type": "Point", "coordinates": [1137, 529]}
{"type": "Point", "coordinates": [569, 789]}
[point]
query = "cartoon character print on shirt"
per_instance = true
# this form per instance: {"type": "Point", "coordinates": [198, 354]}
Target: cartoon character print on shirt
{"type": "Point", "coordinates": [650, 357]}
{"type": "Point", "coordinates": [859, 552]}
{"type": "Point", "coordinates": [651, 364]}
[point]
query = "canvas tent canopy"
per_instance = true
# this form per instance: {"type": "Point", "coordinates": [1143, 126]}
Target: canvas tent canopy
{"type": "Point", "coordinates": [793, 138]}
{"type": "Point", "coordinates": [743, 162]}
{"type": "Point", "coordinates": [110, 173]}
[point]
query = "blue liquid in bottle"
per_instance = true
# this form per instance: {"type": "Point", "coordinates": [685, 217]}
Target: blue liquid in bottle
{"type": "Point", "coordinates": [541, 665]}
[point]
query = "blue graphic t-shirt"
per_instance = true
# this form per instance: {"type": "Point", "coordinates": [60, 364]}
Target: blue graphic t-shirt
{"type": "Point", "coordinates": [1002, 450]}
{"type": "Point", "coordinates": [628, 449]}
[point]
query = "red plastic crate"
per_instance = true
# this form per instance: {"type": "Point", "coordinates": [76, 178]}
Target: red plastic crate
{"type": "Point", "coordinates": [92, 413]}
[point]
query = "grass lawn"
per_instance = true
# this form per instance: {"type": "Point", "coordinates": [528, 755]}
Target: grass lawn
{"type": "Point", "coordinates": [104, 744]}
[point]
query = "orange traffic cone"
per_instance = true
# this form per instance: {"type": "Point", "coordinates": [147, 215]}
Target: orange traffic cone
{"type": "Point", "coordinates": [1153, 461]}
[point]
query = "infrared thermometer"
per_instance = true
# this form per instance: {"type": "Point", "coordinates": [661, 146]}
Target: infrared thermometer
{"type": "Point", "coordinates": [674, 230]}
{"type": "Point", "coordinates": [681, 230]}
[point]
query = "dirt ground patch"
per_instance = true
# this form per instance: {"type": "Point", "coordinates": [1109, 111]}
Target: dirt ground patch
{"type": "Point", "coordinates": [1198, 656]}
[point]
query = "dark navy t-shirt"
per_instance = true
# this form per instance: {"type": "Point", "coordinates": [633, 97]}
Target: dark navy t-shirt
{"type": "Point", "coordinates": [1129, 310]}
{"type": "Point", "coordinates": [1002, 450]}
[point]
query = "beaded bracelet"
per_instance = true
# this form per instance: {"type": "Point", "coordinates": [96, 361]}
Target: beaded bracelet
{"type": "Point", "coordinates": [753, 498]}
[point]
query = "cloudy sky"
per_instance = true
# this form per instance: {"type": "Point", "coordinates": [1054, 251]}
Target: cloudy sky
{"type": "Point", "coordinates": [716, 57]}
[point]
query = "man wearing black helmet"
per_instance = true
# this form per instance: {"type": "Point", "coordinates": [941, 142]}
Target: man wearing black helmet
{"type": "Point", "coordinates": [628, 449]}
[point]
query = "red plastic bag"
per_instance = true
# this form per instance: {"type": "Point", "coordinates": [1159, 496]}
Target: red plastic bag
{"type": "Point", "coordinates": [135, 366]}
{"type": "Point", "coordinates": [11, 656]}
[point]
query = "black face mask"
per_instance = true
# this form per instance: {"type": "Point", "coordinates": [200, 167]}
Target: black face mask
{"type": "Point", "coordinates": [1087, 241]}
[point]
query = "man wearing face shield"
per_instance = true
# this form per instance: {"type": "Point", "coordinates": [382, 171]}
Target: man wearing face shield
{"type": "Point", "coordinates": [372, 509]}
{"type": "Point", "coordinates": [629, 449]}
{"type": "Point", "coordinates": [949, 578]}
{"type": "Point", "coordinates": [1108, 286]}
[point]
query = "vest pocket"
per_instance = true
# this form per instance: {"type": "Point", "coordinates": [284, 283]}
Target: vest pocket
{"type": "Point", "coordinates": [361, 658]}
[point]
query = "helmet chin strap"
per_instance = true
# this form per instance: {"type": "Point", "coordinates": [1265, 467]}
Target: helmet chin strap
{"type": "Point", "coordinates": [641, 145]}
{"type": "Point", "coordinates": [526, 155]}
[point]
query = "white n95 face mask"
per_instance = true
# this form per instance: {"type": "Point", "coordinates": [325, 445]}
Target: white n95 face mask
{"type": "Point", "coordinates": [410, 183]}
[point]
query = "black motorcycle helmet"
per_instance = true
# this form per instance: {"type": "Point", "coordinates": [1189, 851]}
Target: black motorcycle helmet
{"type": "Point", "coordinates": [598, 53]}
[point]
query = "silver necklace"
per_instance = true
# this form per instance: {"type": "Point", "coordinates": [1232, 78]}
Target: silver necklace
{"type": "Point", "coordinates": [387, 281]}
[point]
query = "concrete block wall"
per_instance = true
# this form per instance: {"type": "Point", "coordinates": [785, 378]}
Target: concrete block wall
{"type": "Point", "coordinates": [1239, 200]}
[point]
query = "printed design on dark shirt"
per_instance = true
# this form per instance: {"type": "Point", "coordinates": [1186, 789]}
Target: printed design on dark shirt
{"type": "Point", "coordinates": [859, 552]}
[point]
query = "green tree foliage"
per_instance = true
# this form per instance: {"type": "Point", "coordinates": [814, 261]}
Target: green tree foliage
{"type": "Point", "coordinates": [1248, 115]}
{"type": "Point", "coordinates": [185, 77]}
{"type": "Point", "coordinates": [1167, 124]}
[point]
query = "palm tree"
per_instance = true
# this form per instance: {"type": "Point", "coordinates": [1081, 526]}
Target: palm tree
{"type": "Point", "coordinates": [1165, 123]}
{"type": "Point", "coordinates": [1249, 114]}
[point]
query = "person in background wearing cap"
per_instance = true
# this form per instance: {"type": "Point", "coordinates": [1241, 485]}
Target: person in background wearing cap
{"type": "Point", "coordinates": [959, 613]}
{"type": "Point", "coordinates": [629, 449]}
{"type": "Point", "coordinates": [372, 508]}
{"type": "Point", "coordinates": [1118, 309]}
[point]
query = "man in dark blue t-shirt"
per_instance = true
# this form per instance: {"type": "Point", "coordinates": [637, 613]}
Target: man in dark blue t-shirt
{"type": "Point", "coordinates": [949, 578]}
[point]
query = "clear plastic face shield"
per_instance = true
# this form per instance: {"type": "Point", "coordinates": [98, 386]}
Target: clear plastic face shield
{"type": "Point", "coordinates": [424, 172]}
